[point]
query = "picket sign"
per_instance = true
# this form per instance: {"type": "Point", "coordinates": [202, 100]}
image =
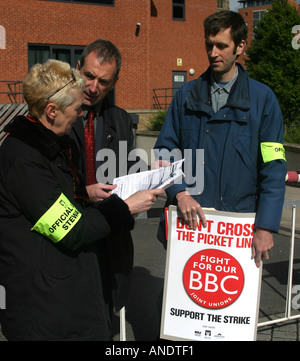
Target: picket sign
{"type": "Point", "coordinates": [212, 286]}
{"type": "Point", "coordinates": [288, 306]}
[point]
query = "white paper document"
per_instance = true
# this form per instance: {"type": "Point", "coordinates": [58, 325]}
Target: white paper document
{"type": "Point", "coordinates": [158, 178]}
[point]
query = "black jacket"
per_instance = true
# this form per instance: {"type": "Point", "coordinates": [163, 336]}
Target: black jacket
{"type": "Point", "coordinates": [117, 137]}
{"type": "Point", "coordinates": [53, 290]}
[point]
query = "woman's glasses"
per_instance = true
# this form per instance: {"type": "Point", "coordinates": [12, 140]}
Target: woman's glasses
{"type": "Point", "coordinates": [59, 89]}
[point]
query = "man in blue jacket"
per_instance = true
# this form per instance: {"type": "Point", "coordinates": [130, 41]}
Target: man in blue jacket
{"type": "Point", "coordinates": [238, 123]}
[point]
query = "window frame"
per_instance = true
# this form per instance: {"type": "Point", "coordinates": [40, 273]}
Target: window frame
{"type": "Point", "coordinates": [53, 47]}
{"type": "Point", "coordinates": [89, 2]}
{"type": "Point", "coordinates": [178, 5]}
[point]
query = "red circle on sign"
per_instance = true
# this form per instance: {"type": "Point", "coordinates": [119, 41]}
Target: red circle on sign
{"type": "Point", "coordinates": [213, 279]}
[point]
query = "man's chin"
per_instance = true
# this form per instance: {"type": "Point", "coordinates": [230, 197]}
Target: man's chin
{"type": "Point", "coordinates": [89, 102]}
{"type": "Point", "coordinates": [216, 67]}
{"type": "Point", "coordinates": [217, 70]}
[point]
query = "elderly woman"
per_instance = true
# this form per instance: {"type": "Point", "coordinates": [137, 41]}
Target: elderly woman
{"type": "Point", "coordinates": [49, 231]}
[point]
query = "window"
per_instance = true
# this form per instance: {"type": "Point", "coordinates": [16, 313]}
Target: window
{"type": "Point", "coordinates": [178, 9]}
{"type": "Point", "coordinates": [257, 15]}
{"type": "Point", "coordinates": [255, 3]}
{"type": "Point", "coordinates": [41, 53]}
{"type": "Point", "coordinates": [100, 2]}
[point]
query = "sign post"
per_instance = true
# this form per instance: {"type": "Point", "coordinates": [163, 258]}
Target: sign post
{"type": "Point", "coordinates": [212, 287]}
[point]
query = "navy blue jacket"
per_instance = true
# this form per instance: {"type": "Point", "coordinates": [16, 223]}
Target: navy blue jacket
{"type": "Point", "coordinates": [235, 177]}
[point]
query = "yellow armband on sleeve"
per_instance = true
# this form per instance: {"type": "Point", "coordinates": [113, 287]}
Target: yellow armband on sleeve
{"type": "Point", "coordinates": [59, 219]}
{"type": "Point", "coordinates": [272, 151]}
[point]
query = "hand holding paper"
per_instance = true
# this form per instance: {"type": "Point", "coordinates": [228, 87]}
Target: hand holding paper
{"type": "Point", "coordinates": [141, 201]}
{"type": "Point", "coordinates": [160, 178]}
{"type": "Point", "coordinates": [99, 191]}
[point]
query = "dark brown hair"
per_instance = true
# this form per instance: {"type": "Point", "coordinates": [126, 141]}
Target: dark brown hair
{"type": "Point", "coordinates": [105, 51]}
{"type": "Point", "coordinates": [225, 19]}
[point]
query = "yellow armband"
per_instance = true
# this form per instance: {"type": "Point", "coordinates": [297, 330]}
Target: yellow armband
{"type": "Point", "coordinates": [272, 151]}
{"type": "Point", "coordinates": [59, 219]}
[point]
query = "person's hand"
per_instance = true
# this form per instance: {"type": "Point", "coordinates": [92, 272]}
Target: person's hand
{"type": "Point", "coordinates": [159, 164]}
{"type": "Point", "coordinates": [262, 243]}
{"type": "Point", "coordinates": [190, 209]}
{"type": "Point", "coordinates": [99, 191]}
{"type": "Point", "coordinates": [141, 201]}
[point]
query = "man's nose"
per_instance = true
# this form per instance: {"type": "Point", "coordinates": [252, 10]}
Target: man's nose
{"type": "Point", "coordinates": [93, 85]}
{"type": "Point", "coordinates": [214, 52]}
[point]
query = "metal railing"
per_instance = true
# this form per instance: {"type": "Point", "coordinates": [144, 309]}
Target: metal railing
{"type": "Point", "coordinates": [7, 113]}
{"type": "Point", "coordinates": [11, 91]}
{"type": "Point", "coordinates": [288, 304]}
{"type": "Point", "coordinates": [162, 97]}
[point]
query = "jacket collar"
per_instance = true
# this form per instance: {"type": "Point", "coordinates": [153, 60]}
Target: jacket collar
{"type": "Point", "coordinates": [36, 135]}
{"type": "Point", "coordinates": [198, 98]}
{"type": "Point", "coordinates": [109, 127]}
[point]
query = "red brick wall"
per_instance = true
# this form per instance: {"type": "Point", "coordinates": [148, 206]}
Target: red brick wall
{"type": "Point", "coordinates": [171, 39]}
{"type": "Point", "coordinates": [148, 59]}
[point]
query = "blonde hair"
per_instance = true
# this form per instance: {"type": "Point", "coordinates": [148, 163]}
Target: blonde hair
{"type": "Point", "coordinates": [53, 81]}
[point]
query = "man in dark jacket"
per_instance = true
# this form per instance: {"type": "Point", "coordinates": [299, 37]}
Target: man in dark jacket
{"type": "Point", "coordinates": [238, 123]}
{"type": "Point", "coordinates": [112, 136]}
{"type": "Point", "coordinates": [100, 65]}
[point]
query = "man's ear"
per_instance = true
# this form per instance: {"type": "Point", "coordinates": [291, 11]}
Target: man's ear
{"type": "Point", "coordinates": [51, 111]}
{"type": "Point", "coordinates": [78, 66]}
{"type": "Point", "coordinates": [240, 48]}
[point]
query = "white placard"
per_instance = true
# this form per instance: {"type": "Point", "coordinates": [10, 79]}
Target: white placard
{"type": "Point", "coordinates": [212, 286]}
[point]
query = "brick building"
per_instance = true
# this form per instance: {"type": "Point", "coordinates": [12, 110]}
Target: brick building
{"type": "Point", "coordinates": [223, 5]}
{"type": "Point", "coordinates": [161, 41]}
{"type": "Point", "coordinates": [252, 11]}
